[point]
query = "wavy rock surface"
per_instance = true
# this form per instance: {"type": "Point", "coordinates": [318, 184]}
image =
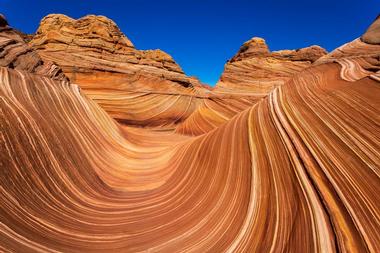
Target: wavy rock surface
{"type": "Point", "coordinates": [294, 171]}
{"type": "Point", "coordinates": [97, 56]}
{"type": "Point", "coordinates": [256, 69]}
{"type": "Point", "coordinates": [247, 78]}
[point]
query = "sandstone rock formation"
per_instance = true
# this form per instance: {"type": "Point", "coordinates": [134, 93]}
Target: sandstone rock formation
{"type": "Point", "coordinates": [16, 54]}
{"type": "Point", "coordinates": [97, 56]}
{"type": "Point", "coordinates": [255, 68]}
{"type": "Point", "coordinates": [362, 54]}
{"type": "Point", "coordinates": [94, 45]}
{"type": "Point", "coordinates": [372, 35]}
{"type": "Point", "coordinates": [248, 77]}
{"type": "Point", "coordinates": [293, 170]}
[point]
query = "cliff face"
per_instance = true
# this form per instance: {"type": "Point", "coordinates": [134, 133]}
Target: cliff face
{"type": "Point", "coordinates": [256, 69]}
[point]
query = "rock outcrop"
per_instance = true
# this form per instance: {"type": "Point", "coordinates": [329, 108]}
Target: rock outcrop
{"type": "Point", "coordinates": [362, 53]}
{"type": "Point", "coordinates": [94, 45]}
{"type": "Point", "coordinates": [255, 68]}
{"type": "Point", "coordinates": [16, 54]}
{"type": "Point", "coordinates": [372, 35]}
{"type": "Point", "coordinates": [96, 55]}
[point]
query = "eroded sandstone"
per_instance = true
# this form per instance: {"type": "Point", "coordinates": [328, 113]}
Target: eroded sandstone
{"type": "Point", "coordinates": [15, 53]}
{"type": "Point", "coordinates": [256, 69]}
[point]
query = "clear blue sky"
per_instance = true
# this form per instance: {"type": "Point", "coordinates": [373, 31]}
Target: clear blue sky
{"type": "Point", "coordinates": [202, 34]}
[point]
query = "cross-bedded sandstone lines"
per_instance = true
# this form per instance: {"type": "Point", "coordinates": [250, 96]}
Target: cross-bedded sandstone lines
{"type": "Point", "coordinates": [294, 172]}
{"type": "Point", "coordinates": [192, 169]}
{"type": "Point", "coordinates": [257, 70]}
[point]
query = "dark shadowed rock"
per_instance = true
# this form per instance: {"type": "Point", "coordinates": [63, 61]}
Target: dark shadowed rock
{"type": "Point", "coordinates": [15, 53]}
{"type": "Point", "coordinates": [3, 21]}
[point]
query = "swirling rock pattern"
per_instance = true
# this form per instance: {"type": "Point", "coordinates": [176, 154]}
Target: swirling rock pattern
{"type": "Point", "coordinates": [96, 55]}
{"type": "Point", "coordinates": [296, 170]}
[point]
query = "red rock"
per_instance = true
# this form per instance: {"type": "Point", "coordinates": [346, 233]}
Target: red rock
{"type": "Point", "coordinates": [94, 44]}
{"type": "Point", "coordinates": [256, 69]}
{"type": "Point", "coordinates": [15, 53]}
{"type": "Point", "coordinates": [96, 55]}
{"type": "Point", "coordinates": [294, 170]}
{"type": "Point", "coordinates": [252, 48]}
{"type": "Point", "coordinates": [372, 35]}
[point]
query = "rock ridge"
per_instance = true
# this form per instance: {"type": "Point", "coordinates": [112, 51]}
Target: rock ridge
{"type": "Point", "coordinates": [257, 69]}
{"type": "Point", "coordinates": [96, 37]}
{"type": "Point", "coordinates": [15, 53]}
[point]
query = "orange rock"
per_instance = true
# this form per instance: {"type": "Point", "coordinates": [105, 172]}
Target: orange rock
{"type": "Point", "coordinates": [96, 55]}
{"type": "Point", "coordinates": [95, 43]}
{"type": "Point", "coordinates": [254, 68]}
{"type": "Point", "coordinates": [372, 35]}
{"type": "Point", "coordinates": [16, 54]}
{"type": "Point", "coordinates": [292, 170]}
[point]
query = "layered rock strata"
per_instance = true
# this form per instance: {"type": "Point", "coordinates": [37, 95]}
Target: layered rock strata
{"type": "Point", "coordinates": [87, 47]}
{"type": "Point", "coordinates": [256, 69]}
{"type": "Point", "coordinates": [16, 54]}
{"type": "Point", "coordinates": [96, 55]}
{"type": "Point", "coordinates": [296, 170]}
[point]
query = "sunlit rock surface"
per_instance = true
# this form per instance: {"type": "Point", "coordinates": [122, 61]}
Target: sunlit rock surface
{"type": "Point", "coordinates": [256, 69]}
{"type": "Point", "coordinates": [290, 168]}
{"type": "Point", "coordinates": [372, 35]}
{"type": "Point", "coordinates": [96, 55]}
